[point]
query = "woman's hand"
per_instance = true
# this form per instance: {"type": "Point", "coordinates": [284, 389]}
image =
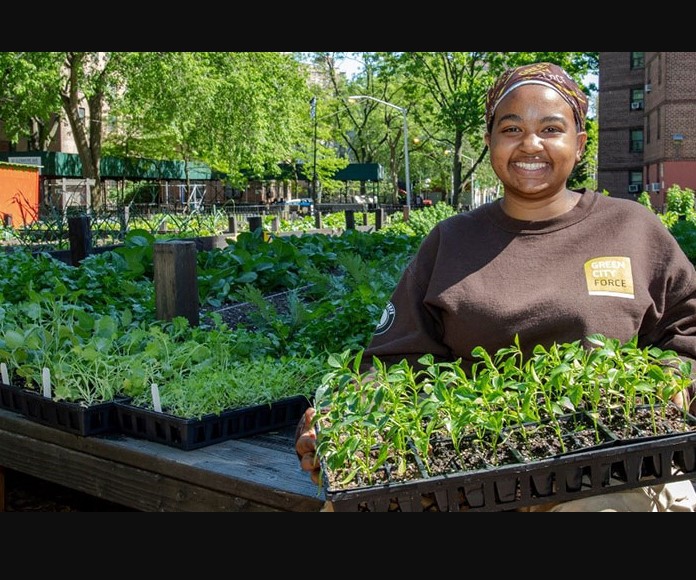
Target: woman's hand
{"type": "Point", "coordinates": [306, 444]}
{"type": "Point", "coordinates": [686, 399]}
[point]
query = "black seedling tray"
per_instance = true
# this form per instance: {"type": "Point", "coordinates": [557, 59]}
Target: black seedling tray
{"type": "Point", "coordinates": [71, 417]}
{"type": "Point", "coordinates": [12, 398]}
{"type": "Point", "coordinates": [190, 434]}
{"type": "Point", "coordinates": [621, 466]}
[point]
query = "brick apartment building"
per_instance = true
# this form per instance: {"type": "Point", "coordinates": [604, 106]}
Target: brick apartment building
{"type": "Point", "coordinates": [647, 123]}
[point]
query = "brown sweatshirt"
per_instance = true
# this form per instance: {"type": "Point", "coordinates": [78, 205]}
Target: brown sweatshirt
{"type": "Point", "coordinates": [609, 266]}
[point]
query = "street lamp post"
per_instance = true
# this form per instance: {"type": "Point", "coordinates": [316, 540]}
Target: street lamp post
{"type": "Point", "coordinates": [406, 166]}
{"type": "Point", "coordinates": [313, 112]}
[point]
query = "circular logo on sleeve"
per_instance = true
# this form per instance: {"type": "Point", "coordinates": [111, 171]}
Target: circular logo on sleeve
{"type": "Point", "coordinates": [388, 317]}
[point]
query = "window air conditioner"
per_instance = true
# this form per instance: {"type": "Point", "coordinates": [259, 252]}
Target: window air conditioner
{"type": "Point", "coordinates": [655, 187]}
{"type": "Point", "coordinates": [636, 105]}
{"type": "Point", "coordinates": [648, 87]}
{"type": "Point", "coordinates": [633, 188]}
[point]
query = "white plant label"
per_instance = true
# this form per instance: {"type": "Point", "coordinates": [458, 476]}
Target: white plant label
{"type": "Point", "coordinates": [3, 374]}
{"type": "Point", "coordinates": [46, 383]}
{"type": "Point", "coordinates": [156, 403]}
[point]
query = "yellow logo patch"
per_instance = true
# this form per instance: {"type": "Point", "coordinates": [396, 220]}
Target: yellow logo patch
{"type": "Point", "coordinates": [611, 276]}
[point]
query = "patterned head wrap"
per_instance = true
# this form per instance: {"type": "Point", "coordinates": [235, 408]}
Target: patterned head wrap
{"type": "Point", "coordinates": [540, 73]}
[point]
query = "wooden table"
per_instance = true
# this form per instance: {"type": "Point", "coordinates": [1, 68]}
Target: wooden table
{"type": "Point", "coordinates": [259, 473]}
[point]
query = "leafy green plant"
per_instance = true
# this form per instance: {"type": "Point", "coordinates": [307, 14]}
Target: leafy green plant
{"type": "Point", "coordinates": [421, 222]}
{"type": "Point", "coordinates": [684, 231]}
{"type": "Point", "coordinates": [350, 431]}
{"type": "Point", "coordinates": [504, 394]}
{"type": "Point", "coordinates": [75, 348]}
{"type": "Point", "coordinates": [209, 389]}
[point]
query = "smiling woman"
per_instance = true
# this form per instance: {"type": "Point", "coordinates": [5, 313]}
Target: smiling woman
{"type": "Point", "coordinates": [541, 238]}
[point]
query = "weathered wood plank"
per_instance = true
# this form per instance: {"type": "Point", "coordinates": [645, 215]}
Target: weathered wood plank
{"type": "Point", "coordinates": [176, 281]}
{"type": "Point", "coordinates": [2, 489]}
{"type": "Point", "coordinates": [258, 473]}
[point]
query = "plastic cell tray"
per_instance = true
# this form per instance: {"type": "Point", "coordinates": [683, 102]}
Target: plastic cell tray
{"type": "Point", "coordinates": [190, 434]}
{"type": "Point", "coordinates": [66, 416]}
{"type": "Point", "coordinates": [624, 465]}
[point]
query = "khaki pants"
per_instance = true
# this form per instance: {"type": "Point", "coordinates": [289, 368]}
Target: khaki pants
{"type": "Point", "coordinates": [677, 496]}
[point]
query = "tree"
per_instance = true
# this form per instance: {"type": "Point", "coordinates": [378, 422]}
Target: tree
{"type": "Point", "coordinates": [585, 173]}
{"type": "Point", "coordinates": [28, 99]}
{"type": "Point", "coordinates": [242, 113]}
{"type": "Point", "coordinates": [94, 78]}
{"type": "Point", "coordinates": [367, 130]}
{"type": "Point", "coordinates": [44, 83]}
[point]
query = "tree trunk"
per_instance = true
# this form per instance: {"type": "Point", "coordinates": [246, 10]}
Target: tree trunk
{"type": "Point", "coordinates": [88, 141]}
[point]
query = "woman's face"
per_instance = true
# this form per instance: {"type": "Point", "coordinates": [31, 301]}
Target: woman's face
{"type": "Point", "coordinates": [534, 143]}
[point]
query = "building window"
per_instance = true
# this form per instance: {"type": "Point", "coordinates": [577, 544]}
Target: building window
{"type": "Point", "coordinates": [635, 181]}
{"type": "Point", "coordinates": [637, 60]}
{"type": "Point", "coordinates": [659, 68]}
{"type": "Point", "coordinates": [81, 112]}
{"type": "Point", "coordinates": [636, 145]}
{"type": "Point", "coordinates": [637, 99]}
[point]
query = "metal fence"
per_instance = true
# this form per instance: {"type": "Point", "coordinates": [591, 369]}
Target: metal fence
{"type": "Point", "coordinates": [110, 226]}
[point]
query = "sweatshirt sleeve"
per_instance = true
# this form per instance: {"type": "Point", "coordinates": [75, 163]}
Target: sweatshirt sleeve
{"type": "Point", "coordinates": [676, 324]}
{"type": "Point", "coordinates": [409, 327]}
{"type": "Point", "coordinates": [679, 328]}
